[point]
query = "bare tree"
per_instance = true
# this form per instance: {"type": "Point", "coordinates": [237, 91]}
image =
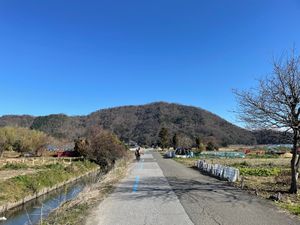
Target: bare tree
{"type": "Point", "coordinates": [275, 104]}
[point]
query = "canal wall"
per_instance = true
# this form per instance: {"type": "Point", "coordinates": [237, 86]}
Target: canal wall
{"type": "Point", "coordinates": [11, 205]}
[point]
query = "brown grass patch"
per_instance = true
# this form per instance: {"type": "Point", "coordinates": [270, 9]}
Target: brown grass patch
{"type": "Point", "coordinates": [75, 211]}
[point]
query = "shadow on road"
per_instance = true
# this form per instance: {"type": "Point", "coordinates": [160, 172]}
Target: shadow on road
{"type": "Point", "coordinates": [191, 190]}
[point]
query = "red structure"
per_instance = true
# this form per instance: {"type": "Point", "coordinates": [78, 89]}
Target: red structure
{"type": "Point", "coordinates": [67, 154]}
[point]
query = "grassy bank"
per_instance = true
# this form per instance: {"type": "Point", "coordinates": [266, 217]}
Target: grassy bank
{"type": "Point", "coordinates": [261, 176]}
{"type": "Point", "coordinates": [18, 187]}
{"type": "Point", "coordinates": [76, 211]}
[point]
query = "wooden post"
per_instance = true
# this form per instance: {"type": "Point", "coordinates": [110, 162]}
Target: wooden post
{"type": "Point", "coordinates": [243, 182]}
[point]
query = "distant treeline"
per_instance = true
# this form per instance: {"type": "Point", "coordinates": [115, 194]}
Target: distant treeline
{"type": "Point", "coordinates": [22, 140]}
{"type": "Point", "coordinates": [272, 137]}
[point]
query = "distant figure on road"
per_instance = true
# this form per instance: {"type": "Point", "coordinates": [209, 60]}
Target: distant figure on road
{"type": "Point", "coordinates": [137, 154]}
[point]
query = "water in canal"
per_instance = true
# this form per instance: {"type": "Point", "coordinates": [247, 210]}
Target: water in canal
{"type": "Point", "coordinates": [32, 212]}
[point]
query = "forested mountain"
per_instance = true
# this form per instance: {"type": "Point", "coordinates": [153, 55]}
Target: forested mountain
{"type": "Point", "coordinates": [60, 125]}
{"type": "Point", "coordinates": [141, 124]}
{"type": "Point", "coordinates": [14, 120]}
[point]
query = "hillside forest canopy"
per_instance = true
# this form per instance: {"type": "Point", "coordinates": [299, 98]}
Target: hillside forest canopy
{"type": "Point", "coordinates": [142, 124]}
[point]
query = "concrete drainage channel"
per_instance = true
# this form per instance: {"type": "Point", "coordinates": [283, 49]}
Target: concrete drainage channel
{"type": "Point", "coordinates": [38, 208]}
{"type": "Point", "coordinates": [230, 174]}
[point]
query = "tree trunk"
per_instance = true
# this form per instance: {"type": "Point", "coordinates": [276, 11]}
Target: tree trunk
{"type": "Point", "coordinates": [294, 170]}
{"type": "Point", "coordinates": [298, 163]}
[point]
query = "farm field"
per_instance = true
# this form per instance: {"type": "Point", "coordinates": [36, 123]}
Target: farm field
{"type": "Point", "coordinates": [12, 164]}
{"type": "Point", "coordinates": [260, 176]}
{"type": "Point", "coordinates": [20, 177]}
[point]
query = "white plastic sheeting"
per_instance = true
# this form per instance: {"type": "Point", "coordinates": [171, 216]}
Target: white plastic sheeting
{"type": "Point", "coordinates": [170, 154]}
{"type": "Point", "coordinates": [224, 172]}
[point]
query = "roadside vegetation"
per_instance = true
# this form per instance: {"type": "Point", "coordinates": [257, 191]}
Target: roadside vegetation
{"type": "Point", "coordinates": [26, 168]}
{"type": "Point", "coordinates": [77, 210]}
{"type": "Point", "coordinates": [101, 146]}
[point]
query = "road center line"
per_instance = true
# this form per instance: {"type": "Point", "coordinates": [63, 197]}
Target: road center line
{"type": "Point", "coordinates": [136, 184]}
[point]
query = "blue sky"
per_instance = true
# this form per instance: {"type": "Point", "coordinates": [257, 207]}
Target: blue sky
{"type": "Point", "coordinates": [75, 57]}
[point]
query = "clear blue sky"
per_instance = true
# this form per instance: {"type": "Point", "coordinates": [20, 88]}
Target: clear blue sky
{"type": "Point", "coordinates": [75, 57]}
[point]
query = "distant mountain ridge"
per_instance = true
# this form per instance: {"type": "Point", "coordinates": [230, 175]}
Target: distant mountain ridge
{"type": "Point", "coordinates": [140, 123]}
{"type": "Point", "coordinates": [16, 120]}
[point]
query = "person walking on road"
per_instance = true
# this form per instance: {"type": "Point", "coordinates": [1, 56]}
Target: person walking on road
{"type": "Point", "coordinates": [137, 154]}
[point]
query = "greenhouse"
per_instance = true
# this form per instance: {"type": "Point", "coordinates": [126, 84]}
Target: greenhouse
{"type": "Point", "coordinates": [215, 154]}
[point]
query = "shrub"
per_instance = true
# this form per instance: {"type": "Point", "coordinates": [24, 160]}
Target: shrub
{"type": "Point", "coordinates": [211, 146]}
{"type": "Point", "coordinates": [100, 146]}
{"type": "Point", "coordinates": [241, 165]}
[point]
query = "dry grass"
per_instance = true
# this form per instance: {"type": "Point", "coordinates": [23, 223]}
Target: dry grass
{"type": "Point", "coordinates": [10, 154]}
{"type": "Point", "coordinates": [12, 167]}
{"type": "Point", "coordinates": [268, 186]}
{"type": "Point", "coordinates": [7, 174]}
{"type": "Point", "coordinates": [252, 162]}
{"type": "Point", "coordinates": [37, 161]}
{"type": "Point", "coordinates": [97, 191]}
{"type": "Point", "coordinates": [280, 162]}
{"type": "Point", "coordinates": [75, 211]}
{"type": "Point", "coordinates": [189, 162]}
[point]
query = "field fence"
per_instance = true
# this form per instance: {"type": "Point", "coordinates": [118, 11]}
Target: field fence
{"type": "Point", "coordinates": [38, 161]}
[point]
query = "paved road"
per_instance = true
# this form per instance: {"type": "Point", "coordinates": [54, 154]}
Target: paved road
{"type": "Point", "coordinates": [160, 191]}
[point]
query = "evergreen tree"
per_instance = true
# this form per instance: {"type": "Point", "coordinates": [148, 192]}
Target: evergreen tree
{"type": "Point", "coordinates": [199, 145]}
{"type": "Point", "coordinates": [163, 138]}
{"type": "Point", "coordinates": [175, 141]}
{"type": "Point", "coordinates": [198, 142]}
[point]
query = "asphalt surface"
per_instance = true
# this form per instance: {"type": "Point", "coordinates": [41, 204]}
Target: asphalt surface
{"type": "Point", "coordinates": [144, 197]}
{"type": "Point", "coordinates": [161, 191]}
